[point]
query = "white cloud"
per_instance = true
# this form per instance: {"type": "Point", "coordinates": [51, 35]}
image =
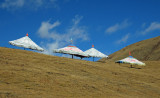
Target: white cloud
{"type": "Point", "coordinates": [153, 26]}
{"type": "Point", "coordinates": [45, 27]}
{"type": "Point", "coordinates": [16, 4]}
{"type": "Point", "coordinates": [48, 47]}
{"type": "Point", "coordinates": [47, 30]}
{"type": "Point", "coordinates": [123, 39]}
{"type": "Point", "coordinates": [117, 26]}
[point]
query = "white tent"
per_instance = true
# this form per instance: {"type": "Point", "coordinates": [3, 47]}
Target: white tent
{"type": "Point", "coordinates": [26, 42]}
{"type": "Point", "coordinates": [72, 50]}
{"type": "Point", "coordinates": [131, 60]}
{"type": "Point", "coordinates": [95, 53]}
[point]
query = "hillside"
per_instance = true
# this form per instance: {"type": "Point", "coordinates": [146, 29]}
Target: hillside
{"type": "Point", "coordinates": [25, 74]}
{"type": "Point", "coordinates": [146, 50]}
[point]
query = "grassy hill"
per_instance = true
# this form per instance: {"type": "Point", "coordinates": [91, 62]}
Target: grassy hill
{"type": "Point", "coordinates": [25, 74]}
{"type": "Point", "coordinates": [146, 50]}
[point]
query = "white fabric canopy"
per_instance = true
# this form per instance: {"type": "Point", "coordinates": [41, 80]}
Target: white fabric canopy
{"type": "Point", "coordinates": [131, 60]}
{"type": "Point", "coordinates": [72, 50]}
{"type": "Point", "coordinates": [26, 42]}
{"type": "Point", "coordinates": [95, 53]}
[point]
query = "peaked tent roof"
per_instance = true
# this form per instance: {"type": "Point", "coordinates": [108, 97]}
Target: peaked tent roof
{"type": "Point", "coordinates": [26, 42]}
{"type": "Point", "coordinates": [95, 53]}
{"type": "Point", "coordinates": [131, 60]}
{"type": "Point", "coordinates": [72, 50]}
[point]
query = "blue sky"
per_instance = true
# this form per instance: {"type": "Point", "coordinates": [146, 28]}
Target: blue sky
{"type": "Point", "coordinates": [108, 24]}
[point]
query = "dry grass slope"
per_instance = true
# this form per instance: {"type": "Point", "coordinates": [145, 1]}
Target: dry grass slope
{"type": "Point", "coordinates": [146, 50]}
{"type": "Point", "coordinates": [25, 74]}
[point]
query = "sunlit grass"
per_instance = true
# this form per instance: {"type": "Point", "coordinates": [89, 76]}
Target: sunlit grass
{"type": "Point", "coordinates": [28, 74]}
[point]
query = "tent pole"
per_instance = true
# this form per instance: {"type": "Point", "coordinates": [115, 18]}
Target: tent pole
{"type": "Point", "coordinates": [72, 56]}
{"type": "Point", "coordinates": [93, 59]}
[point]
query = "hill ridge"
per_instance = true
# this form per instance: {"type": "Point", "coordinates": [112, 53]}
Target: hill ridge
{"type": "Point", "coordinates": [145, 50]}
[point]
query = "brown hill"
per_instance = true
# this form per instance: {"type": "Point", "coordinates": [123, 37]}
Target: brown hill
{"type": "Point", "coordinates": [146, 50]}
{"type": "Point", "coordinates": [25, 74]}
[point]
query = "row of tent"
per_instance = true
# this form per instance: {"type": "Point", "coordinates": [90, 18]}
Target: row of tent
{"type": "Point", "coordinates": [26, 42]}
{"type": "Point", "coordinates": [74, 51]}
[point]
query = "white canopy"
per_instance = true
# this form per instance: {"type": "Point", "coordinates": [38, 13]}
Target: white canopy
{"type": "Point", "coordinates": [72, 50]}
{"type": "Point", "coordinates": [95, 53]}
{"type": "Point", "coordinates": [131, 60]}
{"type": "Point", "coordinates": [26, 42]}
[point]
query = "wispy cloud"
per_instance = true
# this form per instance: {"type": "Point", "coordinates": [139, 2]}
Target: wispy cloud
{"type": "Point", "coordinates": [118, 26]}
{"type": "Point", "coordinates": [123, 39]}
{"type": "Point", "coordinates": [16, 4]}
{"type": "Point", "coordinates": [8, 4]}
{"type": "Point", "coordinates": [153, 26]}
{"type": "Point", "coordinates": [48, 30]}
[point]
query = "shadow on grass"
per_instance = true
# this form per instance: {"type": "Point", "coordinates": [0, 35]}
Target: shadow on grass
{"type": "Point", "coordinates": [131, 67]}
{"type": "Point", "coordinates": [134, 67]}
